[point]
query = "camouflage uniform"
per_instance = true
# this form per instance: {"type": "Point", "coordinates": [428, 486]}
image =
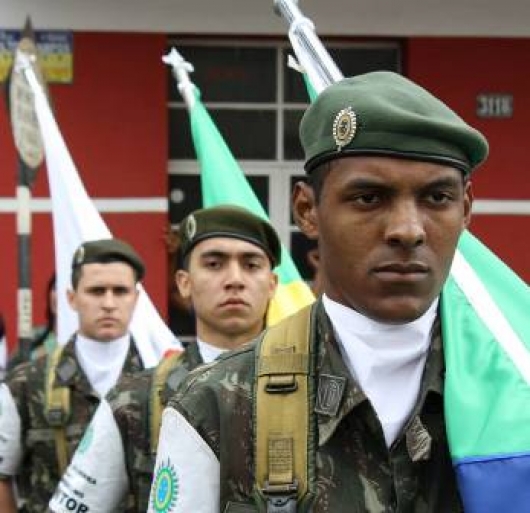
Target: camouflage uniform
{"type": "Point", "coordinates": [130, 401]}
{"type": "Point", "coordinates": [39, 472]}
{"type": "Point", "coordinates": [353, 471]}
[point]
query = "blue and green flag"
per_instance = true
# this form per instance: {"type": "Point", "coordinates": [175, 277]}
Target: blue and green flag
{"type": "Point", "coordinates": [486, 333]}
{"type": "Point", "coordinates": [223, 182]}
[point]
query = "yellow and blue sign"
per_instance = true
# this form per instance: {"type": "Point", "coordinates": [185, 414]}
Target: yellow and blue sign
{"type": "Point", "coordinates": [55, 53]}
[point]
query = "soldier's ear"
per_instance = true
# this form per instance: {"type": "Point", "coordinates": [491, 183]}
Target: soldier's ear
{"type": "Point", "coordinates": [304, 209]}
{"type": "Point", "coordinates": [71, 298]}
{"type": "Point", "coordinates": [182, 279]}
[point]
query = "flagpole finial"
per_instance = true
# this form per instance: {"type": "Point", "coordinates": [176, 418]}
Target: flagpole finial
{"type": "Point", "coordinates": [181, 71]}
{"type": "Point", "coordinates": [294, 64]}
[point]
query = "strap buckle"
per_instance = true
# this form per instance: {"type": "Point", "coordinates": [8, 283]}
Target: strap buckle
{"type": "Point", "coordinates": [56, 417]}
{"type": "Point", "coordinates": [281, 498]}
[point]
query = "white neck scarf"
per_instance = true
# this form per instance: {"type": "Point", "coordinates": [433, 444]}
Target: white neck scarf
{"type": "Point", "coordinates": [387, 360]}
{"type": "Point", "coordinates": [102, 362]}
{"type": "Point", "coordinates": [208, 352]}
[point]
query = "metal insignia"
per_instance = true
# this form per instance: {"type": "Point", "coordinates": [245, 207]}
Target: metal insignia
{"type": "Point", "coordinates": [80, 255]}
{"type": "Point", "coordinates": [329, 395]}
{"type": "Point", "coordinates": [191, 227]}
{"type": "Point", "coordinates": [344, 127]}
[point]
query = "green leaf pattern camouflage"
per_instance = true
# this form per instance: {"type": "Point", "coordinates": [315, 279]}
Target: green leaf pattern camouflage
{"type": "Point", "coordinates": [352, 469]}
{"type": "Point", "coordinates": [39, 472]}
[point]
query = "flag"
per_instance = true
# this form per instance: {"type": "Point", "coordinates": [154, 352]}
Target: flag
{"type": "Point", "coordinates": [223, 181]}
{"type": "Point", "coordinates": [75, 220]}
{"type": "Point", "coordinates": [486, 335]}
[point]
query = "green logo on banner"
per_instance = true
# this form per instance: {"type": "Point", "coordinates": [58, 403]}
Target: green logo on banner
{"type": "Point", "coordinates": [165, 488]}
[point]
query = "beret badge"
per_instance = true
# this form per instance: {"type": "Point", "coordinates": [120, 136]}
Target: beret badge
{"type": "Point", "coordinates": [80, 255]}
{"type": "Point", "coordinates": [344, 127]}
{"type": "Point", "coordinates": [191, 227]}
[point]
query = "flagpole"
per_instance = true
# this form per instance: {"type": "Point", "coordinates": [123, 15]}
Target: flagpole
{"type": "Point", "coordinates": [30, 151]}
{"type": "Point", "coordinates": [310, 52]}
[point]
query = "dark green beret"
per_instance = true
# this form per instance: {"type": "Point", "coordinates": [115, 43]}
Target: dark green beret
{"type": "Point", "coordinates": [233, 222]}
{"type": "Point", "coordinates": [385, 114]}
{"type": "Point", "coordinates": [108, 250]}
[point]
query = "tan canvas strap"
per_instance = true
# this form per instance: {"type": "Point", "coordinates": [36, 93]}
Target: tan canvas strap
{"type": "Point", "coordinates": [57, 409]}
{"type": "Point", "coordinates": [159, 381]}
{"type": "Point", "coordinates": [282, 410]}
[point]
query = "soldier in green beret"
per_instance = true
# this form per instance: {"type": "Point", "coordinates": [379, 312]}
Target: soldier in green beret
{"type": "Point", "coordinates": [227, 256]}
{"type": "Point", "coordinates": [339, 408]}
{"type": "Point", "coordinates": [46, 404]}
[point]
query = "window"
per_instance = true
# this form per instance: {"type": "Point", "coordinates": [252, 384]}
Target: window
{"type": "Point", "coordinates": [256, 103]}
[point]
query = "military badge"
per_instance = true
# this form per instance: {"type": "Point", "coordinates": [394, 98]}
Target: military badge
{"type": "Point", "coordinates": [191, 227]}
{"type": "Point", "coordinates": [80, 255]}
{"type": "Point", "coordinates": [344, 127]}
{"type": "Point", "coordinates": [329, 394]}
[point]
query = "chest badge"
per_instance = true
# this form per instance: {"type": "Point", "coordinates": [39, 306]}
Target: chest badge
{"type": "Point", "coordinates": [329, 394]}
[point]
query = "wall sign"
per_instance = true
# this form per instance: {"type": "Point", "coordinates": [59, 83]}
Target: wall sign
{"type": "Point", "coordinates": [493, 105]}
{"type": "Point", "coordinates": [55, 53]}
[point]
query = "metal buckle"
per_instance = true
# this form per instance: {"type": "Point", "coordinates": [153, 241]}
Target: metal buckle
{"type": "Point", "coordinates": [281, 498]}
{"type": "Point", "coordinates": [281, 388]}
{"type": "Point", "coordinates": [56, 417]}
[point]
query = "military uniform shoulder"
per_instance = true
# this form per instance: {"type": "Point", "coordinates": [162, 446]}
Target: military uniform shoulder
{"type": "Point", "coordinates": [129, 385]}
{"type": "Point", "coordinates": [245, 351]}
{"type": "Point", "coordinates": [27, 368]}
{"type": "Point", "coordinates": [213, 376]}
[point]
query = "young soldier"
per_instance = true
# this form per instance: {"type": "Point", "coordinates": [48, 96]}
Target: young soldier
{"type": "Point", "coordinates": [228, 256]}
{"type": "Point", "coordinates": [339, 408]}
{"type": "Point", "coordinates": [45, 405]}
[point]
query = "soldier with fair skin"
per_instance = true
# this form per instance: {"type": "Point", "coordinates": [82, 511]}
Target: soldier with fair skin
{"type": "Point", "coordinates": [387, 197]}
{"type": "Point", "coordinates": [227, 273]}
{"type": "Point", "coordinates": [37, 436]}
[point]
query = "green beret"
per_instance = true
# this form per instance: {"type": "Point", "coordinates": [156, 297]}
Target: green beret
{"type": "Point", "coordinates": [233, 222]}
{"type": "Point", "coordinates": [385, 114]}
{"type": "Point", "coordinates": [108, 250]}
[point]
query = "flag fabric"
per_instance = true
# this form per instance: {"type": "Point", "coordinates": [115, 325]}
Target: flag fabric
{"type": "Point", "coordinates": [486, 334]}
{"type": "Point", "coordinates": [75, 220]}
{"type": "Point", "coordinates": [223, 181]}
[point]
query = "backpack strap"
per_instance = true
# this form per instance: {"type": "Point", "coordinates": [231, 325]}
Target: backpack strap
{"type": "Point", "coordinates": [57, 408]}
{"type": "Point", "coordinates": [160, 377]}
{"type": "Point", "coordinates": [281, 414]}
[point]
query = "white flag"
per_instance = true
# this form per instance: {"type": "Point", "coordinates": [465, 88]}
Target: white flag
{"type": "Point", "coordinates": [76, 220]}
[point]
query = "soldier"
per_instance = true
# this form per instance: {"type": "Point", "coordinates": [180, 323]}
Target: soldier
{"type": "Point", "coordinates": [228, 257]}
{"type": "Point", "coordinates": [46, 404]}
{"type": "Point", "coordinates": [340, 407]}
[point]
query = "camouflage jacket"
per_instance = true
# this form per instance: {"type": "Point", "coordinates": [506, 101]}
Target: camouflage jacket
{"type": "Point", "coordinates": [131, 404]}
{"type": "Point", "coordinates": [39, 471]}
{"type": "Point", "coordinates": [353, 470]}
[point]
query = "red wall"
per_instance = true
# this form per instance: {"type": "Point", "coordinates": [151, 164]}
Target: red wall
{"type": "Point", "coordinates": [114, 120]}
{"type": "Point", "coordinates": [457, 70]}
